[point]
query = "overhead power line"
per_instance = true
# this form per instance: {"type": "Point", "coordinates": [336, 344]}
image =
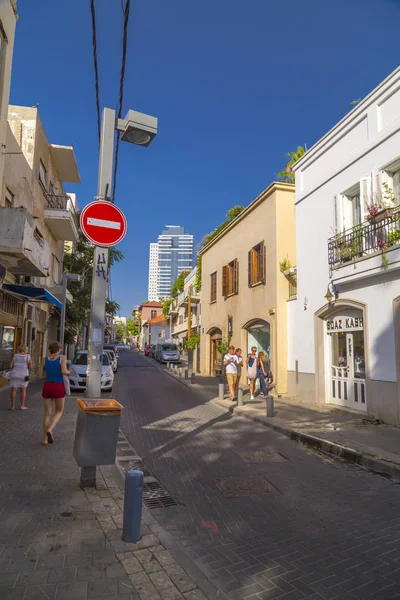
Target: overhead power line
{"type": "Point", "coordinates": [126, 11]}
{"type": "Point", "coordinates": [96, 66]}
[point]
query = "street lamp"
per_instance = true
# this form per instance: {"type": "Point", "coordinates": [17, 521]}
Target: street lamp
{"type": "Point", "coordinates": [331, 293]}
{"type": "Point", "coordinates": [66, 277]}
{"type": "Point", "coordinates": [140, 129]}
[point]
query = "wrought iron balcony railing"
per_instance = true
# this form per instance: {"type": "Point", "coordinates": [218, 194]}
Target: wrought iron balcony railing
{"type": "Point", "coordinates": [363, 240]}
{"type": "Point", "coordinates": [59, 202]}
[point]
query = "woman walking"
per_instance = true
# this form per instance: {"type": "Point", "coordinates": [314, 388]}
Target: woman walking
{"type": "Point", "coordinates": [239, 365]}
{"type": "Point", "coordinates": [54, 367]}
{"type": "Point", "coordinates": [20, 366]}
{"type": "Point", "coordinates": [252, 364]}
{"type": "Point", "coordinates": [263, 371]}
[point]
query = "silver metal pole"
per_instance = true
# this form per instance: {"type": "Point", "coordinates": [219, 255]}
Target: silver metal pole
{"type": "Point", "coordinates": [63, 311]}
{"type": "Point", "coordinates": [100, 263]}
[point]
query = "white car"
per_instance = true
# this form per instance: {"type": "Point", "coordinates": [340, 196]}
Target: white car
{"type": "Point", "coordinates": [113, 359]}
{"type": "Point", "coordinates": [78, 368]}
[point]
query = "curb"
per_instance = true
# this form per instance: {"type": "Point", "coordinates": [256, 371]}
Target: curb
{"type": "Point", "coordinates": [368, 461]}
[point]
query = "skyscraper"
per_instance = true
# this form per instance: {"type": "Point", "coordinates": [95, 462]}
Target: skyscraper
{"type": "Point", "coordinates": [153, 272]}
{"type": "Point", "coordinates": [174, 251]}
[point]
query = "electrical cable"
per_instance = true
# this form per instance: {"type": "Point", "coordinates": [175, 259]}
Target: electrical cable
{"type": "Point", "coordinates": [121, 91]}
{"type": "Point", "coordinates": [96, 66]}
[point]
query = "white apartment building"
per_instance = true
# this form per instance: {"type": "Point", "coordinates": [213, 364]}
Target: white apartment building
{"type": "Point", "coordinates": [344, 326]}
{"type": "Point", "coordinates": [153, 272]}
{"type": "Point", "coordinates": [173, 253]}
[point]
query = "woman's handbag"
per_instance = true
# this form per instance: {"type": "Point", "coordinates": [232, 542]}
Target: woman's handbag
{"type": "Point", "coordinates": [67, 386]}
{"type": "Point", "coordinates": [7, 374]}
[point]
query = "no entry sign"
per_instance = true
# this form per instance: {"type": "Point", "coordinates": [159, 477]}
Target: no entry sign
{"type": "Point", "coordinates": [103, 223]}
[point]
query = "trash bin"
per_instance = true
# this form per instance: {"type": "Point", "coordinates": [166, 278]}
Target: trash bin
{"type": "Point", "coordinates": [96, 432]}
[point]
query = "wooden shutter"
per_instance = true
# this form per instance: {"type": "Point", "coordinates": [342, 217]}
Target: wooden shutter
{"type": "Point", "coordinates": [225, 280]}
{"type": "Point", "coordinates": [365, 194]}
{"type": "Point", "coordinates": [339, 225]}
{"type": "Point", "coordinates": [251, 268]}
{"type": "Point", "coordinates": [235, 284]}
{"type": "Point", "coordinates": [262, 265]}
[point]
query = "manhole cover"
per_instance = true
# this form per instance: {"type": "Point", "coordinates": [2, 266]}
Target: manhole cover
{"type": "Point", "coordinates": [155, 496]}
{"type": "Point", "coordinates": [259, 456]}
{"type": "Point", "coordinates": [234, 487]}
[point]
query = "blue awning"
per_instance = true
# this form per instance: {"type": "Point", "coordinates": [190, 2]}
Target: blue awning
{"type": "Point", "coordinates": [33, 294]}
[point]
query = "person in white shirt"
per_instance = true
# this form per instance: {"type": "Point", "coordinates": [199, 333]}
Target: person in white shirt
{"type": "Point", "coordinates": [230, 364]}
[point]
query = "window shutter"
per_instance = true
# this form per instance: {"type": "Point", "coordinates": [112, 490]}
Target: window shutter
{"type": "Point", "coordinates": [365, 194]}
{"type": "Point", "coordinates": [235, 277]}
{"type": "Point", "coordinates": [339, 220]}
{"type": "Point", "coordinates": [376, 188]}
{"type": "Point", "coordinates": [251, 268]}
{"type": "Point", "coordinates": [263, 262]}
{"type": "Point", "coordinates": [225, 281]}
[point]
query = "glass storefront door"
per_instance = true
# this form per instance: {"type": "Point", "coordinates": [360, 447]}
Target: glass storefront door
{"type": "Point", "coordinates": [347, 369]}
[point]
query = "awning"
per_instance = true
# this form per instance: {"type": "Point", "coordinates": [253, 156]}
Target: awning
{"type": "Point", "coordinates": [33, 294]}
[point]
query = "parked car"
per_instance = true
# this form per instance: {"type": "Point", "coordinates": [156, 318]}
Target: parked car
{"type": "Point", "coordinates": [147, 350]}
{"type": "Point", "coordinates": [78, 375]}
{"type": "Point", "coordinates": [113, 359]}
{"type": "Point", "coordinates": [167, 352]}
{"type": "Point", "coordinates": [112, 347]}
{"type": "Point", "coordinates": [123, 347]}
{"type": "Point", "coordinates": [152, 352]}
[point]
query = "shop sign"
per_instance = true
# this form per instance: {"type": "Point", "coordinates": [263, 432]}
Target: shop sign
{"type": "Point", "coordinates": [343, 323]}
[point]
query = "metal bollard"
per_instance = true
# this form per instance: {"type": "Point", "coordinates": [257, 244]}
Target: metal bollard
{"type": "Point", "coordinates": [186, 374]}
{"type": "Point", "coordinates": [270, 406]}
{"type": "Point", "coordinates": [193, 378]}
{"type": "Point", "coordinates": [132, 506]}
{"type": "Point", "coordinates": [240, 397]}
{"type": "Point", "coordinates": [221, 391]}
{"type": "Point", "coordinates": [168, 365]}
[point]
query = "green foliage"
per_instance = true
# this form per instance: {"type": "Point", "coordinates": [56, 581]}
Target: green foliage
{"type": "Point", "coordinates": [192, 342]}
{"type": "Point", "coordinates": [388, 195]}
{"type": "Point", "coordinates": [231, 214]}
{"type": "Point", "coordinates": [288, 174]}
{"type": "Point", "coordinates": [356, 101]}
{"type": "Point", "coordinates": [120, 331]}
{"type": "Point", "coordinates": [385, 260]}
{"type": "Point", "coordinates": [179, 283]}
{"type": "Point", "coordinates": [223, 347]}
{"type": "Point", "coordinates": [285, 264]}
{"type": "Point", "coordinates": [166, 307]}
{"type": "Point", "coordinates": [132, 327]}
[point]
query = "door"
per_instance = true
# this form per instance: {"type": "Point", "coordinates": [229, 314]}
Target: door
{"type": "Point", "coordinates": [216, 358]}
{"type": "Point", "coordinates": [347, 385]}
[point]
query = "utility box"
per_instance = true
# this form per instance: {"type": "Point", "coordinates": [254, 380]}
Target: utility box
{"type": "Point", "coordinates": [96, 432]}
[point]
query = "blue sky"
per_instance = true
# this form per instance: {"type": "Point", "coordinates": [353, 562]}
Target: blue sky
{"type": "Point", "coordinates": [235, 84]}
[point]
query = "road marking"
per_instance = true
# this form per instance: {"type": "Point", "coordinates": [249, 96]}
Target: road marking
{"type": "Point", "coordinates": [103, 223]}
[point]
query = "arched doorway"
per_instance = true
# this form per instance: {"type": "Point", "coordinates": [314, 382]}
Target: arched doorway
{"type": "Point", "coordinates": [215, 357]}
{"type": "Point", "coordinates": [259, 335]}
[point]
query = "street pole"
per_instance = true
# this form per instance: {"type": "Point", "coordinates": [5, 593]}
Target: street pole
{"type": "Point", "coordinates": [170, 327]}
{"type": "Point", "coordinates": [63, 311]}
{"type": "Point", "coordinates": [100, 263]}
{"type": "Point", "coordinates": [189, 316]}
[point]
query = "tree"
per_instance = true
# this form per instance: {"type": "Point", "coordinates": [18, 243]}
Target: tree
{"type": "Point", "coordinates": [132, 326]}
{"type": "Point", "coordinates": [288, 174]}
{"type": "Point", "coordinates": [120, 331]}
{"type": "Point", "coordinates": [80, 261]}
{"type": "Point", "coordinates": [179, 283]}
{"type": "Point", "coordinates": [166, 307]}
{"type": "Point", "coordinates": [231, 215]}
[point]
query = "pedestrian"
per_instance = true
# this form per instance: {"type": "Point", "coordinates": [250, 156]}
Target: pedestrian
{"type": "Point", "coordinates": [231, 370]}
{"type": "Point", "coordinates": [239, 365]}
{"type": "Point", "coordinates": [263, 372]}
{"type": "Point", "coordinates": [20, 365]}
{"type": "Point", "coordinates": [252, 364]}
{"type": "Point", "coordinates": [54, 367]}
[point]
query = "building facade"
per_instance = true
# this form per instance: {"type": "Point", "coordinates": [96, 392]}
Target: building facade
{"type": "Point", "coordinates": [37, 218]}
{"type": "Point", "coordinates": [153, 272]}
{"type": "Point", "coordinates": [156, 330]}
{"type": "Point", "coordinates": [173, 253]}
{"type": "Point", "coordinates": [344, 327]}
{"type": "Point", "coordinates": [185, 312]}
{"type": "Point", "coordinates": [148, 311]}
{"type": "Point", "coordinates": [244, 295]}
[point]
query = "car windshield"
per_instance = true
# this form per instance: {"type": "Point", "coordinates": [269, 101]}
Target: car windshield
{"type": "Point", "coordinates": [81, 359]}
{"type": "Point", "coordinates": [111, 353]}
{"type": "Point", "coordinates": [168, 347]}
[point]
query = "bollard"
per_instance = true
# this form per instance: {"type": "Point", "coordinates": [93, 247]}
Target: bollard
{"type": "Point", "coordinates": [132, 506]}
{"type": "Point", "coordinates": [168, 365]}
{"type": "Point", "coordinates": [270, 406]}
{"type": "Point", "coordinates": [221, 391]}
{"type": "Point", "coordinates": [88, 477]}
{"type": "Point", "coordinates": [240, 397]}
{"type": "Point", "coordinates": [193, 378]}
{"type": "Point", "coordinates": [186, 374]}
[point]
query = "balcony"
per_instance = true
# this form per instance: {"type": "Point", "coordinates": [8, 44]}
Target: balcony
{"type": "Point", "coordinates": [60, 217]}
{"type": "Point", "coordinates": [23, 250]}
{"type": "Point", "coordinates": [366, 249]}
{"type": "Point", "coordinates": [183, 297]}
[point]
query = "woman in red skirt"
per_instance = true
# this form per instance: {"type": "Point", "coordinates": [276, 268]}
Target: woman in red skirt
{"type": "Point", "coordinates": [54, 367]}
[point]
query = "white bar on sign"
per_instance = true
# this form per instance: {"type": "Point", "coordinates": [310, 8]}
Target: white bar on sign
{"type": "Point", "coordinates": [103, 223]}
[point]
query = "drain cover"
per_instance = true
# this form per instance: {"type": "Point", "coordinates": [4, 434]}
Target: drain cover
{"type": "Point", "coordinates": [155, 496]}
{"type": "Point", "coordinates": [234, 487]}
{"type": "Point", "coordinates": [259, 456]}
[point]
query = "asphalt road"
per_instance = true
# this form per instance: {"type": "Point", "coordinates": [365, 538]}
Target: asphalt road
{"type": "Point", "coordinates": [289, 524]}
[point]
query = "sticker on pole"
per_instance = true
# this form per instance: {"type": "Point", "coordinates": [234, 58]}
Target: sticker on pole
{"type": "Point", "coordinates": [103, 223]}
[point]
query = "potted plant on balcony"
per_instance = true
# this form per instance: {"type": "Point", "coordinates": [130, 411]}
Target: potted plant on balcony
{"type": "Point", "coordinates": [379, 212]}
{"type": "Point", "coordinates": [285, 267]}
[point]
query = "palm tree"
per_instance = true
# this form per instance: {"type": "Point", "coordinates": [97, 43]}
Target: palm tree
{"type": "Point", "coordinates": [288, 175]}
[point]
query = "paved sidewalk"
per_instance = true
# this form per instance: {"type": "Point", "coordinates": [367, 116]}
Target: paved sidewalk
{"type": "Point", "coordinates": [352, 436]}
{"type": "Point", "coordinates": [60, 543]}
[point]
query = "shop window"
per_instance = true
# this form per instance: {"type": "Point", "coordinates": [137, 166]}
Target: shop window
{"type": "Point", "coordinates": [230, 278]}
{"type": "Point", "coordinates": [257, 268]}
{"type": "Point", "coordinates": [213, 287]}
{"type": "Point", "coordinates": [7, 339]}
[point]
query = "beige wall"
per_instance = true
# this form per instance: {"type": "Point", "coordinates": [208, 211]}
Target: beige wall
{"type": "Point", "coordinates": [271, 217]}
{"type": "Point", "coordinates": [8, 18]}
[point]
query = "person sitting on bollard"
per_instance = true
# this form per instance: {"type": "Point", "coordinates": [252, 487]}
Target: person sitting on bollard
{"type": "Point", "coordinates": [230, 364]}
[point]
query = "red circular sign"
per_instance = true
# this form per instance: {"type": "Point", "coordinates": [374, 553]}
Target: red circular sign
{"type": "Point", "coordinates": [103, 223]}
